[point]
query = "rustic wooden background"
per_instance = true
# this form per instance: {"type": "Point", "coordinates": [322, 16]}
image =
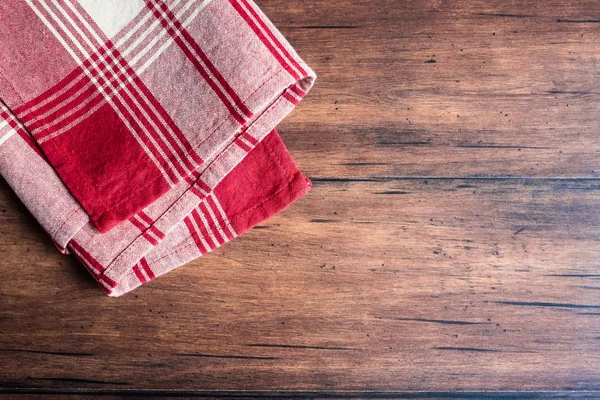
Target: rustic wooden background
{"type": "Point", "coordinates": [449, 247]}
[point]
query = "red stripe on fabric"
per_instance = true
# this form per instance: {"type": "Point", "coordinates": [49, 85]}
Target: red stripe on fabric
{"type": "Point", "coordinates": [211, 202]}
{"type": "Point", "coordinates": [203, 232]}
{"type": "Point", "coordinates": [146, 231]}
{"type": "Point", "coordinates": [105, 82]}
{"type": "Point", "coordinates": [194, 233]}
{"type": "Point", "coordinates": [43, 127]}
{"type": "Point", "coordinates": [157, 232]}
{"type": "Point", "coordinates": [32, 144]}
{"type": "Point", "coordinates": [147, 268]}
{"type": "Point", "coordinates": [211, 224]}
{"type": "Point", "coordinates": [61, 101]}
{"type": "Point", "coordinates": [190, 181]}
{"type": "Point", "coordinates": [87, 256]}
{"type": "Point", "coordinates": [197, 192]}
{"type": "Point", "coordinates": [106, 279]}
{"type": "Point", "coordinates": [108, 57]}
{"type": "Point", "coordinates": [250, 138]}
{"type": "Point", "coordinates": [150, 239]}
{"type": "Point", "coordinates": [240, 119]}
{"type": "Point", "coordinates": [291, 98]}
{"type": "Point", "coordinates": [274, 38]}
{"type": "Point", "coordinates": [139, 274]}
{"type": "Point", "coordinates": [294, 88]}
{"type": "Point", "coordinates": [243, 145]}
{"type": "Point", "coordinates": [203, 72]}
{"type": "Point", "coordinates": [145, 217]}
{"type": "Point", "coordinates": [93, 92]}
{"type": "Point", "coordinates": [203, 186]}
{"type": "Point", "coordinates": [264, 39]}
{"type": "Point", "coordinates": [137, 223]}
{"type": "Point", "coordinates": [38, 121]}
{"type": "Point", "coordinates": [117, 57]}
{"type": "Point", "coordinates": [24, 108]}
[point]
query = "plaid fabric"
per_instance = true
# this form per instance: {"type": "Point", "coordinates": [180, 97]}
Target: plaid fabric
{"type": "Point", "coordinates": [141, 134]}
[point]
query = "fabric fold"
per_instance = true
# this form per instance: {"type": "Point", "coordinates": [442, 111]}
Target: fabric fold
{"type": "Point", "coordinates": [141, 134]}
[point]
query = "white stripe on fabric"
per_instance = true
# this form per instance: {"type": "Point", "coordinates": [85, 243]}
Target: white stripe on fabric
{"type": "Point", "coordinates": [246, 142]}
{"type": "Point", "coordinates": [208, 229]}
{"type": "Point", "coordinates": [223, 214]}
{"type": "Point", "coordinates": [215, 221]}
{"type": "Point", "coordinates": [85, 261]}
{"type": "Point", "coordinates": [199, 232]}
{"type": "Point", "coordinates": [7, 136]}
{"type": "Point", "coordinates": [143, 272]}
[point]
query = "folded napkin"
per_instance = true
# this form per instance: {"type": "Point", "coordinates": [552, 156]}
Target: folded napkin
{"type": "Point", "coordinates": [140, 134]}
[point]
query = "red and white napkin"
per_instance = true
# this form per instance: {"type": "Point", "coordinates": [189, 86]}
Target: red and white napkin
{"type": "Point", "coordinates": [140, 133]}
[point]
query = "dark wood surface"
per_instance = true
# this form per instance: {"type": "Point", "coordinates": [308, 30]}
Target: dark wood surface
{"type": "Point", "coordinates": [448, 249]}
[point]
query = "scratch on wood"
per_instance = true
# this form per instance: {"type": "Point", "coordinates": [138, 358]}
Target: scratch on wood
{"type": "Point", "coordinates": [545, 304]}
{"type": "Point", "coordinates": [505, 15]}
{"type": "Point", "coordinates": [81, 380]}
{"type": "Point", "coordinates": [389, 143]}
{"type": "Point", "coordinates": [363, 164]}
{"type": "Point", "coordinates": [498, 146]}
{"type": "Point", "coordinates": [54, 353]}
{"type": "Point", "coordinates": [572, 92]}
{"type": "Point", "coordinates": [579, 21]}
{"type": "Point", "coordinates": [293, 346]}
{"type": "Point", "coordinates": [224, 356]}
{"type": "Point", "coordinates": [468, 349]}
{"type": "Point", "coordinates": [436, 321]}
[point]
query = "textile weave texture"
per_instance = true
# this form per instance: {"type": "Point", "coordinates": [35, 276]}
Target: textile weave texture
{"type": "Point", "coordinates": [141, 133]}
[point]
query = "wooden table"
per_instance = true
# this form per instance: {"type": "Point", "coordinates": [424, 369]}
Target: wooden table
{"type": "Point", "coordinates": [450, 244]}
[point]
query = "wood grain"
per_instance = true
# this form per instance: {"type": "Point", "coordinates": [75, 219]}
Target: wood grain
{"type": "Point", "coordinates": [448, 248]}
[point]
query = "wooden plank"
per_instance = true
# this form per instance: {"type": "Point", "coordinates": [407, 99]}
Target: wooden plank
{"type": "Point", "coordinates": [513, 90]}
{"type": "Point", "coordinates": [394, 285]}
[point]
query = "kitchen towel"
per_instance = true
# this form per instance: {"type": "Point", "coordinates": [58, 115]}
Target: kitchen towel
{"type": "Point", "coordinates": [140, 133]}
